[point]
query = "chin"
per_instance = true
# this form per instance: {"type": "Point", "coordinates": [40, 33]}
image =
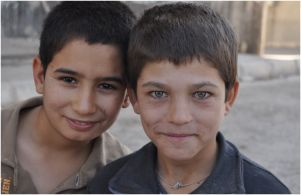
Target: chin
{"type": "Point", "coordinates": [178, 155]}
{"type": "Point", "coordinates": [80, 138]}
{"type": "Point", "coordinates": [178, 158]}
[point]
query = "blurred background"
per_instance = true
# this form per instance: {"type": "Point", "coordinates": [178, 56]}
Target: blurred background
{"type": "Point", "coordinates": [264, 122]}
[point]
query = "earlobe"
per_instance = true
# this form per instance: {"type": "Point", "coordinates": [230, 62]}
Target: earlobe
{"type": "Point", "coordinates": [232, 94]}
{"type": "Point", "coordinates": [133, 100]}
{"type": "Point", "coordinates": [38, 75]}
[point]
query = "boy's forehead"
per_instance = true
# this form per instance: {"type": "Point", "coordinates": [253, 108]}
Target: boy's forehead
{"type": "Point", "coordinates": [81, 58]}
{"type": "Point", "coordinates": [195, 70]}
{"type": "Point", "coordinates": [156, 67]}
{"type": "Point", "coordinates": [83, 40]}
{"type": "Point", "coordinates": [78, 47]}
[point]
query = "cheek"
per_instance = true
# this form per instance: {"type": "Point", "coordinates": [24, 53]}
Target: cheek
{"type": "Point", "coordinates": [148, 120]}
{"type": "Point", "coordinates": [152, 113]}
{"type": "Point", "coordinates": [211, 116]}
{"type": "Point", "coordinates": [151, 118]}
{"type": "Point", "coordinates": [111, 104]}
{"type": "Point", "coordinates": [56, 97]}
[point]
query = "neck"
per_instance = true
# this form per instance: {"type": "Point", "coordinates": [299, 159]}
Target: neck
{"type": "Point", "coordinates": [191, 171]}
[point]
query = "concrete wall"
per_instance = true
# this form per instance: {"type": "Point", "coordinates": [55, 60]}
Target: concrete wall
{"type": "Point", "coordinates": [23, 19]}
{"type": "Point", "coordinates": [283, 24]}
{"type": "Point", "coordinates": [281, 28]}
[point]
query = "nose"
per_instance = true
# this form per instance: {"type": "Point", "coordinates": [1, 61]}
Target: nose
{"type": "Point", "coordinates": [179, 112]}
{"type": "Point", "coordinates": [84, 102]}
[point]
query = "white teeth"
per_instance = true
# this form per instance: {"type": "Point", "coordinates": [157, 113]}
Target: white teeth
{"type": "Point", "coordinates": [81, 123]}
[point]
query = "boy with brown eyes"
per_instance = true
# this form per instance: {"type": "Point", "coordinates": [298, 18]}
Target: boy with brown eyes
{"type": "Point", "coordinates": [182, 76]}
{"type": "Point", "coordinates": [55, 143]}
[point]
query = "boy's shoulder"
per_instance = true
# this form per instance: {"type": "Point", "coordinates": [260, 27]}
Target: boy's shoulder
{"type": "Point", "coordinates": [23, 104]}
{"type": "Point", "coordinates": [10, 113]}
{"type": "Point", "coordinates": [10, 117]}
{"type": "Point", "coordinates": [112, 148]}
{"type": "Point", "coordinates": [126, 164]}
{"type": "Point", "coordinates": [100, 182]}
{"type": "Point", "coordinates": [258, 180]}
{"type": "Point", "coordinates": [249, 175]}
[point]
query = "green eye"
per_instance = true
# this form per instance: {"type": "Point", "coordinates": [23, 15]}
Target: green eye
{"type": "Point", "coordinates": [158, 94]}
{"type": "Point", "coordinates": [201, 95]}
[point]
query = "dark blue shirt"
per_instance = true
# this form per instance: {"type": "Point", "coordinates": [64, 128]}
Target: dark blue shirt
{"type": "Point", "coordinates": [232, 173]}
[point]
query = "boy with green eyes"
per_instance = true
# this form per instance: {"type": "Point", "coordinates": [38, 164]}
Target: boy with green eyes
{"type": "Point", "coordinates": [55, 143]}
{"type": "Point", "coordinates": [182, 75]}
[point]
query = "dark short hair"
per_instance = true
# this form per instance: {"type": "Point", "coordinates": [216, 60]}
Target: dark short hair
{"type": "Point", "coordinates": [178, 33]}
{"type": "Point", "coordinates": [94, 22]}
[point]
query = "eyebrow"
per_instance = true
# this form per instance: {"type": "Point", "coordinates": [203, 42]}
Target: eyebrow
{"type": "Point", "coordinates": [162, 86]}
{"type": "Point", "coordinates": [74, 73]}
{"type": "Point", "coordinates": [153, 84]}
{"type": "Point", "coordinates": [205, 84]}
{"type": "Point", "coordinates": [67, 71]}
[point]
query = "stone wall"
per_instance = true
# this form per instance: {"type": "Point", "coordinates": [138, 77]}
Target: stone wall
{"type": "Point", "coordinates": [23, 19]}
{"type": "Point", "coordinates": [283, 24]}
{"type": "Point", "coordinates": [257, 24]}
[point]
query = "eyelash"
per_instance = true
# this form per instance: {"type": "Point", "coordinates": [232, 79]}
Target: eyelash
{"type": "Point", "coordinates": [68, 80]}
{"type": "Point", "coordinates": [200, 95]}
{"type": "Point", "coordinates": [204, 95]}
{"type": "Point", "coordinates": [154, 94]}
{"type": "Point", "coordinates": [107, 86]}
{"type": "Point", "coordinates": [73, 81]}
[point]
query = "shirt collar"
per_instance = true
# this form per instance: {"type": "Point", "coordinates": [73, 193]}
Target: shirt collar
{"type": "Point", "coordinates": [138, 175]}
{"type": "Point", "coordinates": [226, 176]}
{"type": "Point", "coordinates": [86, 172]}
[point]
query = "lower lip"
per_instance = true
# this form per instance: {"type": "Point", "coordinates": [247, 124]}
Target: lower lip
{"type": "Point", "coordinates": [80, 126]}
{"type": "Point", "coordinates": [178, 138]}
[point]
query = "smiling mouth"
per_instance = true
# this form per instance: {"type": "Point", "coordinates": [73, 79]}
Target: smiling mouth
{"type": "Point", "coordinates": [80, 125]}
{"type": "Point", "coordinates": [178, 137]}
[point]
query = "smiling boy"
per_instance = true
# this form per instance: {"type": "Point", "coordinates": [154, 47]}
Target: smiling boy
{"type": "Point", "coordinates": [182, 72]}
{"type": "Point", "coordinates": [55, 143]}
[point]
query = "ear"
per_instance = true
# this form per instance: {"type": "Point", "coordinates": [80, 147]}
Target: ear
{"type": "Point", "coordinates": [38, 75]}
{"type": "Point", "coordinates": [126, 101]}
{"type": "Point", "coordinates": [133, 100]}
{"type": "Point", "coordinates": [232, 94]}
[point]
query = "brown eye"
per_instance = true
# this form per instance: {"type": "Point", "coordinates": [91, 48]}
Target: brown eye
{"type": "Point", "coordinates": [68, 80]}
{"type": "Point", "coordinates": [106, 86]}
